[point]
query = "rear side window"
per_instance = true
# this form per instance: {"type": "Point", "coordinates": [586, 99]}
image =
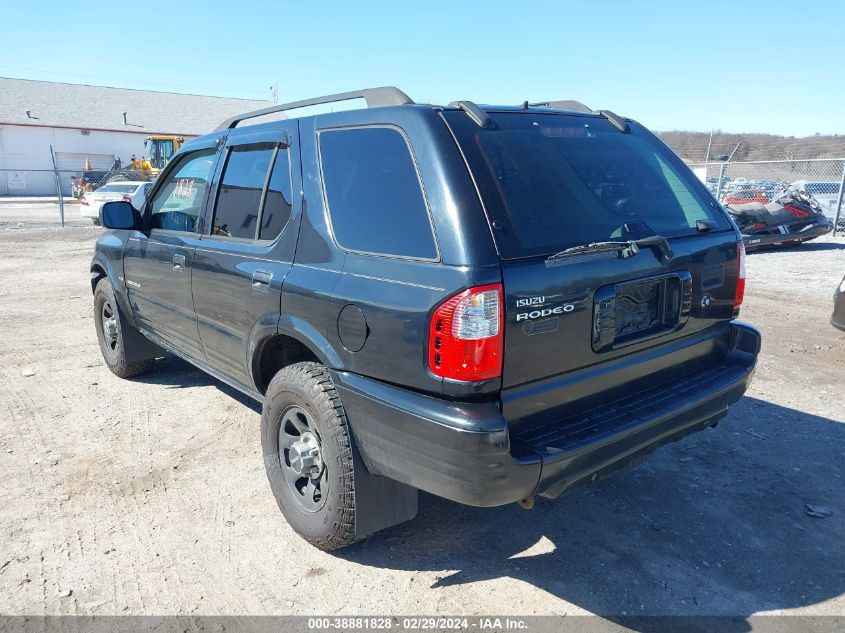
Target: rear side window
{"type": "Point", "coordinates": [374, 195]}
{"type": "Point", "coordinates": [239, 198]}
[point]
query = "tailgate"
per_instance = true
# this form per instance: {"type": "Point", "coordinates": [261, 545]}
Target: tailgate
{"type": "Point", "coordinates": [584, 329]}
{"type": "Point", "coordinates": [585, 325]}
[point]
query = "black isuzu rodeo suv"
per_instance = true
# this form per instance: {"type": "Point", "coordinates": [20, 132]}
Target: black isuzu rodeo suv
{"type": "Point", "coordinates": [485, 303]}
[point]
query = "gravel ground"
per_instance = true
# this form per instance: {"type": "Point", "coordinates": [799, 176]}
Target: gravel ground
{"type": "Point", "coordinates": [149, 496]}
{"type": "Point", "coordinates": [32, 214]}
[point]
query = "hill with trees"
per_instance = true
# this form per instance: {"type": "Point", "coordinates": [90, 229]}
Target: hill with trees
{"type": "Point", "coordinates": [692, 146]}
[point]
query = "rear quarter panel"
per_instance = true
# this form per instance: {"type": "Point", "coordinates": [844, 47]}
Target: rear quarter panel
{"type": "Point", "coordinates": [388, 301]}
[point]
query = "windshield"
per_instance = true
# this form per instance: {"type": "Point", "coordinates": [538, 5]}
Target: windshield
{"type": "Point", "coordinates": [117, 188]}
{"type": "Point", "coordinates": [551, 181]}
{"type": "Point", "coordinates": [814, 188]}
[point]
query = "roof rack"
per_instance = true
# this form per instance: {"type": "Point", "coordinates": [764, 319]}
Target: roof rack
{"type": "Point", "coordinates": [375, 98]}
{"type": "Point", "coordinates": [575, 106]}
{"type": "Point", "coordinates": [616, 121]}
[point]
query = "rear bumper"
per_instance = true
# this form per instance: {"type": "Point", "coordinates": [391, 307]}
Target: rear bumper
{"type": "Point", "coordinates": [90, 211]}
{"type": "Point", "coordinates": [465, 451]}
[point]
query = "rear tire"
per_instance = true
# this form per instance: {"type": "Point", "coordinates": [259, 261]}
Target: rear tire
{"type": "Point", "coordinates": [111, 327]}
{"type": "Point", "coordinates": [308, 455]}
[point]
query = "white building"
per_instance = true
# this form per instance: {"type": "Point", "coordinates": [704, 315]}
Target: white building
{"type": "Point", "coordinates": [93, 123]}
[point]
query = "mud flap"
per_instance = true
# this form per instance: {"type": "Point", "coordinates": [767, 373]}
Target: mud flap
{"type": "Point", "coordinates": [136, 346]}
{"type": "Point", "coordinates": [380, 502]}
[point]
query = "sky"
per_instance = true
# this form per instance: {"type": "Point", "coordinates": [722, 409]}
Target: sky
{"type": "Point", "coordinates": [774, 67]}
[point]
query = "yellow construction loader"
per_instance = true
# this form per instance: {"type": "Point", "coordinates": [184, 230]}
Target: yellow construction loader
{"type": "Point", "coordinates": [159, 151]}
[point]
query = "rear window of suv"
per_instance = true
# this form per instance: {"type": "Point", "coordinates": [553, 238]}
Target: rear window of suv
{"type": "Point", "coordinates": [552, 181]}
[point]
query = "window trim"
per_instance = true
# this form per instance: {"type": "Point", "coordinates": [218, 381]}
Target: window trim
{"type": "Point", "coordinates": [327, 211]}
{"type": "Point", "coordinates": [255, 241]}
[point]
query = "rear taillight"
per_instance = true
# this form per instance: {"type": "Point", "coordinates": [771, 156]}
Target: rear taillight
{"type": "Point", "coordinates": [740, 277]}
{"type": "Point", "coordinates": [126, 198]}
{"type": "Point", "coordinates": [466, 336]}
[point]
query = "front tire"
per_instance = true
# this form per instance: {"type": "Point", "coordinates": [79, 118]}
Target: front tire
{"type": "Point", "coordinates": [308, 455]}
{"type": "Point", "coordinates": [111, 334]}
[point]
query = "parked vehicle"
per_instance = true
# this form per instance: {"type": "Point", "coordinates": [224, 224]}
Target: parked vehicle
{"type": "Point", "coordinates": [826, 192]}
{"type": "Point", "coordinates": [132, 191]}
{"type": "Point", "coordinates": [838, 317]}
{"type": "Point", "coordinates": [484, 303]}
{"type": "Point", "coordinates": [744, 196]}
{"type": "Point", "coordinates": [88, 180]}
{"type": "Point", "coordinates": [793, 218]}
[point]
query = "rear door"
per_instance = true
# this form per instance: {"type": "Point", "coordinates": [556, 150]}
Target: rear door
{"type": "Point", "coordinates": [240, 264]}
{"type": "Point", "coordinates": [550, 182]}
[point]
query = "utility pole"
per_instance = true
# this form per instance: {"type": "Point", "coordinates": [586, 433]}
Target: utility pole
{"type": "Point", "coordinates": [709, 143]}
{"type": "Point", "coordinates": [722, 173]}
{"type": "Point", "coordinates": [733, 152]}
{"type": "Point", "coordinates": [274, 93]}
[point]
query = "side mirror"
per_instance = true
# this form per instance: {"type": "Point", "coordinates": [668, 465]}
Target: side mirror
{"type": "Point", "coordinates": [119, 215]}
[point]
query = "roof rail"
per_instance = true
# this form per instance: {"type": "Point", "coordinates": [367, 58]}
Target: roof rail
{"type": "Point", "coordinates": [375, 98]}
{"type": "Point", "coordinates": [575, 106]}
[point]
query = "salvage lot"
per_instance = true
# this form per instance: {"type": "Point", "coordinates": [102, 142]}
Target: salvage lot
{"type": "Point", "coordinates": [149, 496]}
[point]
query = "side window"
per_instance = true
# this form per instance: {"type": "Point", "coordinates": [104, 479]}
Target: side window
{"type": "Point", "coordinates": [277, 202]}
{"type": "Point", "coordinates": [178, 202]}
{"type": "Point", "coordinates": [239, 198]}
{"type": "Point", "coordinates": [375, 200]}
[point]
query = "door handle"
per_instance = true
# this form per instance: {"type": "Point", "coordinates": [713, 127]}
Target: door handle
{"type": "Point", "coordinates": [261, 279]}
{"type": "Point", "coordinates": [178, 262]}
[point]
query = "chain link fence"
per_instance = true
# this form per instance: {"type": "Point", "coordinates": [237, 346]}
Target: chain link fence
{"type": "Point", "coordinates": [48, 196]}
{"type": "Point", "coordinates": [762, 181]}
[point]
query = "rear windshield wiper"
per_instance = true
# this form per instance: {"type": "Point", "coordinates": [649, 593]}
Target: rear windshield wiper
{"type": "Point", "coordinates": [625, 249]}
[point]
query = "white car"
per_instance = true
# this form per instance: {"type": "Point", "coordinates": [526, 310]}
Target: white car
{"type": "Point", "coordinates": [825, 191]}
{"type": "Point", "coordinates": [132, 191]}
